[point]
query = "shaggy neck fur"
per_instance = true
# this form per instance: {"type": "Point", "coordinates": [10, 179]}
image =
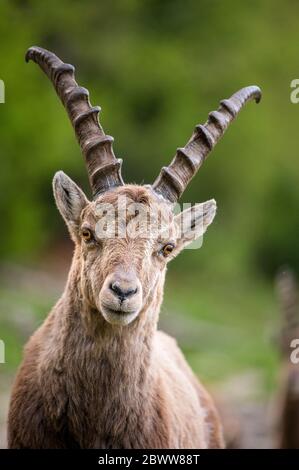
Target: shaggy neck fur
{"type": "Point", "coordinates": [109, 365]}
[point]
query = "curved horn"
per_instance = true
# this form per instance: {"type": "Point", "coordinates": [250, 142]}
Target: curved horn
{"type": "Point", "coordinates": [173, 179]}
{"type": "Point", "coordinates": [102, 166]}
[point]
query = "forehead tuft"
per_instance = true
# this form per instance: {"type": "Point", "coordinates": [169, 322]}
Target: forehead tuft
{"type": "Point", "coordinates": [133, 193]}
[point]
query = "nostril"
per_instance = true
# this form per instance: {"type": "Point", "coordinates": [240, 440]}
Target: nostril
{"type": "Point", "coordinates": [122, 293]}
{"type": "Point", "coordinates": [115, 288]}
{"type": "Point", "coordinates": [112, 286]}
{"type": "Point", "coordinates": [131, 292]}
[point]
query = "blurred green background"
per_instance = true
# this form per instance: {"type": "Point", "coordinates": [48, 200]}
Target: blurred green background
{"type": "Point", "coordinates": [157, 67]}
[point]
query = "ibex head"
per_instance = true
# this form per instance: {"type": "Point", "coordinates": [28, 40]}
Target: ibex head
{"type": "Point", "coordinates": [122, 271]}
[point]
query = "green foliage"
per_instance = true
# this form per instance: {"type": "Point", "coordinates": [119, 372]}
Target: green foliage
{"type": "Point", "coordinates": [281, 224]}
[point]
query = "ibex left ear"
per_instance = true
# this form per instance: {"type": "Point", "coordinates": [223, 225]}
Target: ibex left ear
{"type": "Point", "coordinates": [70, 201]}
{"type": "Point", "coordinates": [193, 222]}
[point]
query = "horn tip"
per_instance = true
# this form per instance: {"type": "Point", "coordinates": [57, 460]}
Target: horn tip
{"type": "Point", "coordinates": [34, 51]}
{"type": "Point", "coordinates": [257, 93]}
{"type": "Point", "coordinates": [30, 53]}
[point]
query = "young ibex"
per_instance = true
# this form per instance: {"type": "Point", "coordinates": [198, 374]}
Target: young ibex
{"type": "Point", "coordinates": [97, 373]}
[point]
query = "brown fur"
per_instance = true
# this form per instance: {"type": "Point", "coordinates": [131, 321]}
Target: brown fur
{"type": "Point", "coordinates": [87, 383]}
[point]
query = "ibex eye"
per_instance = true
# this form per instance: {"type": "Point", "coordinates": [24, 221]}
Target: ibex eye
{"type": "Point", "coordinates": [86, 235]}
{"type": "Point", "coordinates": [167, 249]}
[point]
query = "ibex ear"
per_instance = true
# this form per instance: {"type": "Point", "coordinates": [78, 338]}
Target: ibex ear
{"type": "Point", "coordinates": [70, 201]}
{"type": "Point", "coordinates": [193, 222]}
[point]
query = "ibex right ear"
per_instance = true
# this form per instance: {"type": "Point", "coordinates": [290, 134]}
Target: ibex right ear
{"type": "Point", "coordinates": [70, 200]}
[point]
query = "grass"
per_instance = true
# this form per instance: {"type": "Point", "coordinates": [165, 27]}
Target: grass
{"type": "Point", "coordinates": [235, 323]}
{"type": "Point", "coordinates": [21, 312]}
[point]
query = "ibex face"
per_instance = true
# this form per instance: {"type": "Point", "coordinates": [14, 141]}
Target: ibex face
{"type": "Point", "coordinates": [121, 272]}
{"type": "Point", "coordinates": [122, 267]}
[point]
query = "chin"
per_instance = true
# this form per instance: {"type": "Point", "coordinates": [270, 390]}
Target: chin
{"type": "Point", "coordinates": [121, 318]}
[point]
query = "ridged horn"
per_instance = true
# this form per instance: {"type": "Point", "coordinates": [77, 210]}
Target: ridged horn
{"type": "Point", "coordinates": [173, 179]}
{"type": "Point", "coordinates": [104, 169]}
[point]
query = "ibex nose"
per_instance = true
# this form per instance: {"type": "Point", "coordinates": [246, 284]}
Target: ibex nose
{"type": "Point", "coordinates": [123, 291]}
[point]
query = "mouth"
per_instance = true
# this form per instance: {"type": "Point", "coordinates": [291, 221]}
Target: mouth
{"type": "Point", "coordinates": [117, 311]}
{"type": "Point", "coordinates": [118, 316]}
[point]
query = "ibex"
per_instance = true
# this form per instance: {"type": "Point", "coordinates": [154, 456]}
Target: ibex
{"type": "Point", "coordinates": [98, 373]}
